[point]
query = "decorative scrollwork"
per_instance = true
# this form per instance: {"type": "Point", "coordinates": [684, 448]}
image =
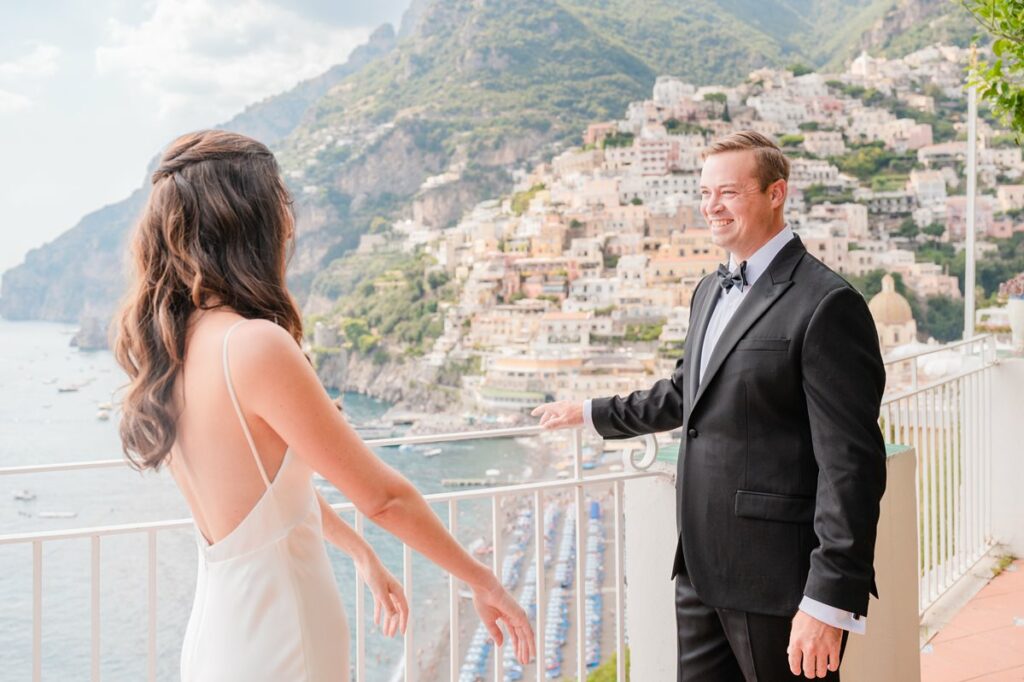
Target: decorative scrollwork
{"type": "Point", "coordinates": [630, 459]}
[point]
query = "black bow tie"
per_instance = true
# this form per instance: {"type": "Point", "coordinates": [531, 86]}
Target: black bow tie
{"type": "Point", "coordinates": [728, 280]}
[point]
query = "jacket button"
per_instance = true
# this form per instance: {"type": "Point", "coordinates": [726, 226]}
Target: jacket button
{"type": "Point", "coordinates": [692, 433]}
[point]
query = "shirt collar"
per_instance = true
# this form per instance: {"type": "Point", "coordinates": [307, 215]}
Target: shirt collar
{"type": "Point", "coordinates": [758, 263]}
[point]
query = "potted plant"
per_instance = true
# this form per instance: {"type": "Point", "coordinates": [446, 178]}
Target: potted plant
{"type": "Point", "coordinates": [1013, 289]}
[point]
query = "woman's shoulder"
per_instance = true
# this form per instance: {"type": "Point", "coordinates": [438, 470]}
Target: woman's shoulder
{"type": "Point", "coordinates": [258, 341]}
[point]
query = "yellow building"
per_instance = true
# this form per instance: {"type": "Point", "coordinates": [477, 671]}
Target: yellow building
{"type": "Point", "coordinates": [893, 318]}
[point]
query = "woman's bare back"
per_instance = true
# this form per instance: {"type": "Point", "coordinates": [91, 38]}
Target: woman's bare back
{"type": "Point", "coordinates": [211, 460]}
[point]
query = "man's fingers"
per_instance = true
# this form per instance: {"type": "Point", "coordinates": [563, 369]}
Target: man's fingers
{"type": "Point", "coordinates": [539, 410]}
{"type": "Point", "coordinates": [821, 665]}
{"type": "Point", "coordinates": [833, 658]}
{"type": "Point", "coordinates": [794, 659]}
{"type": "Point", "coordinates": [810, 669]}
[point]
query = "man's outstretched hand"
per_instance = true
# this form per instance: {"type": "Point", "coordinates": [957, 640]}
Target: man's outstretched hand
{"type": "Point", "coordinates": [813, 646]}
{"type": "Point", "coordinates": [563, 414]}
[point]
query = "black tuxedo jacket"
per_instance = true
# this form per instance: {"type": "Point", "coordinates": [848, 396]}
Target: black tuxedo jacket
{"type": "Point", "coordinates": [782, 463]}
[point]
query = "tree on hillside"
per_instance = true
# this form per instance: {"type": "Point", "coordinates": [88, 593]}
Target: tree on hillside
{"type": "Point", "coordinates": [716, 98]}
{"type": "Point", "coordinates": [1001, 81]}
{"type": "Point", "coordinates": [934, 230]}
{"type": "Point", "coordinates": [908, 229]}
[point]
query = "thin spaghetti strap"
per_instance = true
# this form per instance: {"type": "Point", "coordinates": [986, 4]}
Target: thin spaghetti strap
{"type": "Point", "coordinates": [238, 409]}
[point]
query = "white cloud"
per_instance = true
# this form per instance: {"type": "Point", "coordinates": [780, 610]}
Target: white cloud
{"type": "Point", "coordinates": [210, 59]}
{"type": "Point", "coordinates": [40, 62]}
{"type": "Point", "coordinates": [12, 102]}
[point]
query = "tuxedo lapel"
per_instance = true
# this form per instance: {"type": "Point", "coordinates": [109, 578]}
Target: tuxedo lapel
{"type": "Point", "coordinates": [707, 306]}
{"type": "Point", "coordinates": [765, 292]}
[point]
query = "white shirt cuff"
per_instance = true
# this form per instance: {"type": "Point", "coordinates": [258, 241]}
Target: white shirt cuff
{"type": "Point", "coordinates": [588, 417]}
{"type": "Point", "coordinates": [830, 615]}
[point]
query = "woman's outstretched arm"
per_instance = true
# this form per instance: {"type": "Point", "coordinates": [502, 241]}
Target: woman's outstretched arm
{"type": "Point", "coordinates": [390, 608]}
{"type": "Point", "coordinates": [276, 384]}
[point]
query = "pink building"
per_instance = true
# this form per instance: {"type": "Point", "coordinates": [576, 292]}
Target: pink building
{"type": "Point", "coordinates": [956, 217]}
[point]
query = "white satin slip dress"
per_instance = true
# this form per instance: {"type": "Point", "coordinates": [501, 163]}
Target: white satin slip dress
{"type": "Point", "coordinates": [267, 606]}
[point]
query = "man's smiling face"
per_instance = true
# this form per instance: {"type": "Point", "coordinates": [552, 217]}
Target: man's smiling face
{"type": "Point", "coordinates": [741, 215]}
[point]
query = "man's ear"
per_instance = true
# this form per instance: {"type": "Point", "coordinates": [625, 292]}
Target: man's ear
{"type": "Point", "coordinates": [777, 192]}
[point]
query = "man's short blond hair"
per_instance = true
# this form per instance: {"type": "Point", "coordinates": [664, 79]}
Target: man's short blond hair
{"type": "Point", "coordinates": [772, 164]}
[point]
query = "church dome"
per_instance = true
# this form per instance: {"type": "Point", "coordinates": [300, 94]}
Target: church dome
{"type": "Point", "coordinates": [888, 307]}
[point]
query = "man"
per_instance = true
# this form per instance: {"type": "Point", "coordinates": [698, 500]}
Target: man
{"type": "Point", "coordinates": [782, 463]}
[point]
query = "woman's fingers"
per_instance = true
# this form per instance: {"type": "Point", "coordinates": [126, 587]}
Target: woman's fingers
{"type": "Point", "coordinates": [401, 607]}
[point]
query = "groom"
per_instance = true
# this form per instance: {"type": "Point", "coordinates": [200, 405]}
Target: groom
{"type": "Point", "coordinates": [782, 463]}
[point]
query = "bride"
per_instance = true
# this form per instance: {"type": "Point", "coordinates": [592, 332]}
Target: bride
{"type": "Point", "coordinates": [221, 393]}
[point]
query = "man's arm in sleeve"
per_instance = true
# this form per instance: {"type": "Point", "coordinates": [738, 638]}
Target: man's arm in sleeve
{"type": "Point", "coordinates": [844, 379]}
{"type": "Point", "coordinates": [659, 408]}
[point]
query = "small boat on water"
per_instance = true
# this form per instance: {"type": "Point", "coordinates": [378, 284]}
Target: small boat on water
{"type": "Point", "coordinates": [103, 415]}
{"type": "Point", "coordinates": [24, 494]}
{"type": "Point", "coordinates": [57, 514]}
{"type": "Point", "coordinates": [491, 473]}
{"type": "Point", "coordinates": [432, 452]}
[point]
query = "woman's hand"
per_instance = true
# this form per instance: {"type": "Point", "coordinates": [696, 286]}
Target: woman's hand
{"type": "Point", "coordinates": [390, 609]}
{"type": "Point", "coordinates": [494, 603]}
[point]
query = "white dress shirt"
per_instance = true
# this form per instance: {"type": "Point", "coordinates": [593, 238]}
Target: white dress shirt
{"type": "Point", "coordinates": [728, 302]}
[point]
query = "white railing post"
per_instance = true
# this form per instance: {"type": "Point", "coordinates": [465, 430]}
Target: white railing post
{"type": "Point", "coordinates": [360, 612]}
{"type": "Point", "coordinates": [620, 605]}
{"type": "Point", "coordinates": [37, 611]}
{"type": "Point", "coordinates": [453, 599]}
{"type": "Point", "coordinates": [152, 605]}
{"type": "Point", "coordinates": [538, 562]}
{"type": "Point", "coordinates": [497, 559]}
{"type": "Point", "coordinates": [410, 652]}
{"type": "Point", "coordinates": [95, 608]}
{"type": "Point", "coordinates": [581, 556]}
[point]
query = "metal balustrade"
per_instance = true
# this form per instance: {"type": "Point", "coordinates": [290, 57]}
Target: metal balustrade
{"type": "Point", "coordinates": [947, 421]}
{"type": "Point", "coordinates": [636, 467]}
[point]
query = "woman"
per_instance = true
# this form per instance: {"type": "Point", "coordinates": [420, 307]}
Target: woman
{"type": "Point", "coordinates": [221, 392]}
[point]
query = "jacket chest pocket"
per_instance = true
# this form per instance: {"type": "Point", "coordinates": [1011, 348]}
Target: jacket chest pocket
{"type": "Point", "coordinates": [763, 343]}
{"type": "Point", "coordinates": [752, 504]}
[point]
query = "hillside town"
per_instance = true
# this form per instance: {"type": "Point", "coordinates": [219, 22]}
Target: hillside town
{"type": "Point", "coordinates": [579, 283]}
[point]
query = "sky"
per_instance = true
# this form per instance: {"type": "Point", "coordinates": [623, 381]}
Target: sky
{"type": "Point", "coordinates": [91, 90]}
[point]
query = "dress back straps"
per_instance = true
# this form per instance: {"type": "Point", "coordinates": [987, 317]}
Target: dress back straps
{"type": "Point", "coordinates": [238, 409]}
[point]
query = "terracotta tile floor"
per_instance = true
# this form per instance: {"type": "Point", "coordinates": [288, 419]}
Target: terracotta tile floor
{"type": "Point", "coordinates": [985, 640]}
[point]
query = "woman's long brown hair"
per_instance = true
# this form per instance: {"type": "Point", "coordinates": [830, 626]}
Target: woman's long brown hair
{"type": "Point", "coordinates": [214, 233]}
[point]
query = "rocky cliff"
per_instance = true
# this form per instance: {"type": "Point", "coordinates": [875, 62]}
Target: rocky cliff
{"type": "Point", "coordinates": [408, 384]}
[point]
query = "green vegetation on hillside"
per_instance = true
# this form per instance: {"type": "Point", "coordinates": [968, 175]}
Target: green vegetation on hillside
{"type": "Point", "coordinates": [386, 301]}
{"type": "Point", "coordinates": [951, 25]}
{"type": "Point", "coordinates": [521, 200]}
{"type": "Point", "coordinates": [868, 161]}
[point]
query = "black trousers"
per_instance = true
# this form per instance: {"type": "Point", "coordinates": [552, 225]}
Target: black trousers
{"type": "Point", "coordinates": [722, 645]}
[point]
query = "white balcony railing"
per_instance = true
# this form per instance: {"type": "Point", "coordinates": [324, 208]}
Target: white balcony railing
{"type": "Point", "coordinates": [577, 486]}
{"type": "Point", "coordinates": [945, 417]}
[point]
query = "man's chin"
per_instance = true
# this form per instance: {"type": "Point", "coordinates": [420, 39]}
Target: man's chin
{"type": "Point", "coordinates": [721, 238]}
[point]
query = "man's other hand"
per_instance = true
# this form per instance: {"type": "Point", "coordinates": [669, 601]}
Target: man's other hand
{"type": "Point", "coordinates": [563, 414]}
{"type": "Point", "coordinates": [813, 646]}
